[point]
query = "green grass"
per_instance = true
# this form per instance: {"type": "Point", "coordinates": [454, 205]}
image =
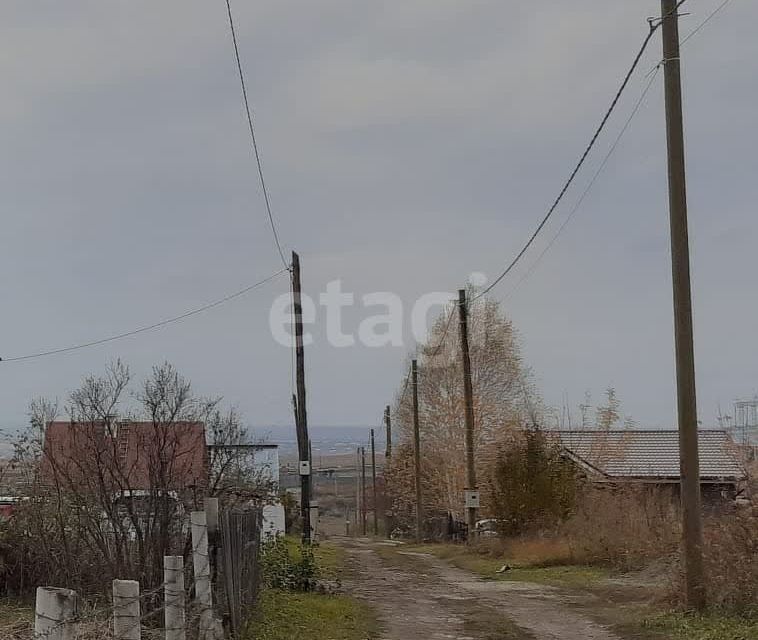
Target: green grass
{"type": "Point", "coordinates": [680, 626]}
{"type": "Point", "coordinates": [329, 558]}
{"type": "Point", "coordinates": [486, 566]}
{"type": "Point", "coordinates": [287, 615]}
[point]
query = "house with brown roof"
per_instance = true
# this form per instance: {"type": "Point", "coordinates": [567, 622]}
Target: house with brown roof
{"type": "Point", "coordinates": [652, 458]}
{"type": "Point", "coordinates": [125, 456]}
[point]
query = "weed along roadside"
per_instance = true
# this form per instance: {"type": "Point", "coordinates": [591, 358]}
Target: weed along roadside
{"type": "Point", "coordinates": [302, 596]}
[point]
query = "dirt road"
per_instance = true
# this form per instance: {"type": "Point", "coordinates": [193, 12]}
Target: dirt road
{"type": "Point", "coordinates": [419, 596]}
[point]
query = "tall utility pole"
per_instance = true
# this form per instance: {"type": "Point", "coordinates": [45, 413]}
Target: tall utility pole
{"type": "Point", "coordinates": [685, 359]}
{"type": "Point", "coordinates": [364, 510]}
{"type": "Point", "coordinates": [386, 500]}
{"type": "Point", "coordinates": [417, 453]}
{"type": "Point", "coordinates": [301, 422]}
{"type": "Point", "coordinates": [468, 395]}
{"type": "Point", "coordinates": [373, 484]}
{"type": "Point", "coordinates": [388, 425]}
{"type": "Point", "coordinates": [357, 488]}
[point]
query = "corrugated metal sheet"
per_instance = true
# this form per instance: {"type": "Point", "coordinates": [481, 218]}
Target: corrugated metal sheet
{"type": "Point", "coordinates": [650, 454]}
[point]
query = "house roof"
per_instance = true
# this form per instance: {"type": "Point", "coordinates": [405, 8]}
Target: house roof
{"type": "Point", "coordinates": [126, 455]}
{"type": "Point", "coordinates": [649, 454]}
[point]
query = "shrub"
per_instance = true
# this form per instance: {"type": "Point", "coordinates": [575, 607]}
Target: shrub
{"type": "Point", "coordinates": [623, 527]}
{"type": "Point", "coordinates": [532, 486]}
{"type": "Point", "coordinates": [287, 571]}
{"type": "Point", "coordinates": [731, 563]}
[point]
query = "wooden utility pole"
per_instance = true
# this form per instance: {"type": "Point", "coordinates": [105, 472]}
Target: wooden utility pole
{"type": "Point", "coordinates": [685, 358]}
{"type": "Point", "coordinates": [357, 488]}
{"type": "Point", "coordinates": [373, 485]}
{"type": "Point", "coordinates": [364, 510]}
{"type": "Point", "coordinates": [388, 425]}
{"type": "Point", "coordinates": [468, 395]}
{"type": "Point", "coordinates": [301, 422]}
{"type": "Point", "coordinates": [386, 499]}
{"type": "Point", "coordinates": [417, 453]}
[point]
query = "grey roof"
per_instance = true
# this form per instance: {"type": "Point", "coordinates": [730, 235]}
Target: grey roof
{"type": "Point", "coordinates": [649, 454]}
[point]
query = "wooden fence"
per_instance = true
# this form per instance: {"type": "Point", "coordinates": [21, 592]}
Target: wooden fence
{"type": "Point", "coordinates": [239, 565]}
{"type": "Point", "coordinates": [225, 581]}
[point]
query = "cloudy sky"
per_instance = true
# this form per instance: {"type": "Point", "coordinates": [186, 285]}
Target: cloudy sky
{"type": "Point", "coordinates": [406, 145]}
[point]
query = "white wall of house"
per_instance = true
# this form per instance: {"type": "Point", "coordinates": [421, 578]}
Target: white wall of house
{"type": "Point", "coordinates": [273, 520]}
{"type": "Point", "coordinates": [266, 464]}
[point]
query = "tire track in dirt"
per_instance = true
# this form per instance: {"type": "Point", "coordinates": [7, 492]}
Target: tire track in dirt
{"type": "Point", "coordinates": [419, 596]}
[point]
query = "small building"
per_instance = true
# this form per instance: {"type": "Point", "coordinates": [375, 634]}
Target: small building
{"type": "Point", "coordinates": [257, 464]}
{"type": "Point", "coordinates": [652, 458]}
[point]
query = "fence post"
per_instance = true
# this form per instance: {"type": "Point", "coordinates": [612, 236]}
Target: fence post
{"type": "Point", "coordinates": [173, 581]}
{"type": "Point", "coordinates": [202, 568]}
{"type": "Point", "coordinates": [55, 614]}
{"type": "Point", "coordinates": [211, 513]}
{"type": "Point", "coordinates": [126, 610]}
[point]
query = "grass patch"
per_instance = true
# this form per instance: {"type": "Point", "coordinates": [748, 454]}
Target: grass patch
{"type": "Point", "coordinates": [487, 566]}
{"type": "Point", "coordinates": [680, 626]}
{"type": "Point", "coordinates": [286, 615]}
{"type": "Point", "coordinates": [330, 559]}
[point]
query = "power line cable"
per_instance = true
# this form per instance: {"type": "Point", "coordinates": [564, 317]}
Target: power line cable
{"type": "Point", "coordinates": [653, 28]}
{"type": "Point", "coordinates": [444, 333]}
{"type": "Point", "coordinates": [150, 327]}
{"type": "Point", "coordinates": [705, 22]}
{"type": "Point", "coordinates": [405, 387]}
{"type": "Point", "coordinates": [592, 182]}
{"type": "Point", "coordinates": [613, 148]}
{"type": "Point", "coordinates": [256, 152]}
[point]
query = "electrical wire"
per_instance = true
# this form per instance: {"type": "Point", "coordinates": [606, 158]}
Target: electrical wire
{"type": "Point", "coordinates": [256, 152]}
{"type": "Point", "coordinates": [613, 148]}
{"type": "Point", "coordinates": [405, 387]}
{"type": "Point", "coordinates": [444, 333]}
{"type": "Point", "coordinates": [705, 22]}
{"type": "Point", "coordinates": [580, 164]}
{"type": "Point", "coordinates": [150, 327]}
{"type": "Point", "coordinates": [592, 182]}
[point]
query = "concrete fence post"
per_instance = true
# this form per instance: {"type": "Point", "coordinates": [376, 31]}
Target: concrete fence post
{"type": "Point", "coordinates": [126, 610]}
{"type": "Point", "coordinates": [202, 569]}
{"type": "Point", "coordinates": [55, 614]}
{"type": "Point", "coordinates": [173, 586]}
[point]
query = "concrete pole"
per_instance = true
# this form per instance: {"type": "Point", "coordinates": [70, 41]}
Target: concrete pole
{"type": "Point", "coordinates": [202, 570]}
{"type": "Point", "coordinates": [55, 614]}
{"type": "Point", "coordinates": [174, 614]}
{"type": "Point", "coordinates": [126, 610]}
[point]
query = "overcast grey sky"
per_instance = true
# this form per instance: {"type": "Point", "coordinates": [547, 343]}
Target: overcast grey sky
{"type": "Point", "coordinates": [406, 144]}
